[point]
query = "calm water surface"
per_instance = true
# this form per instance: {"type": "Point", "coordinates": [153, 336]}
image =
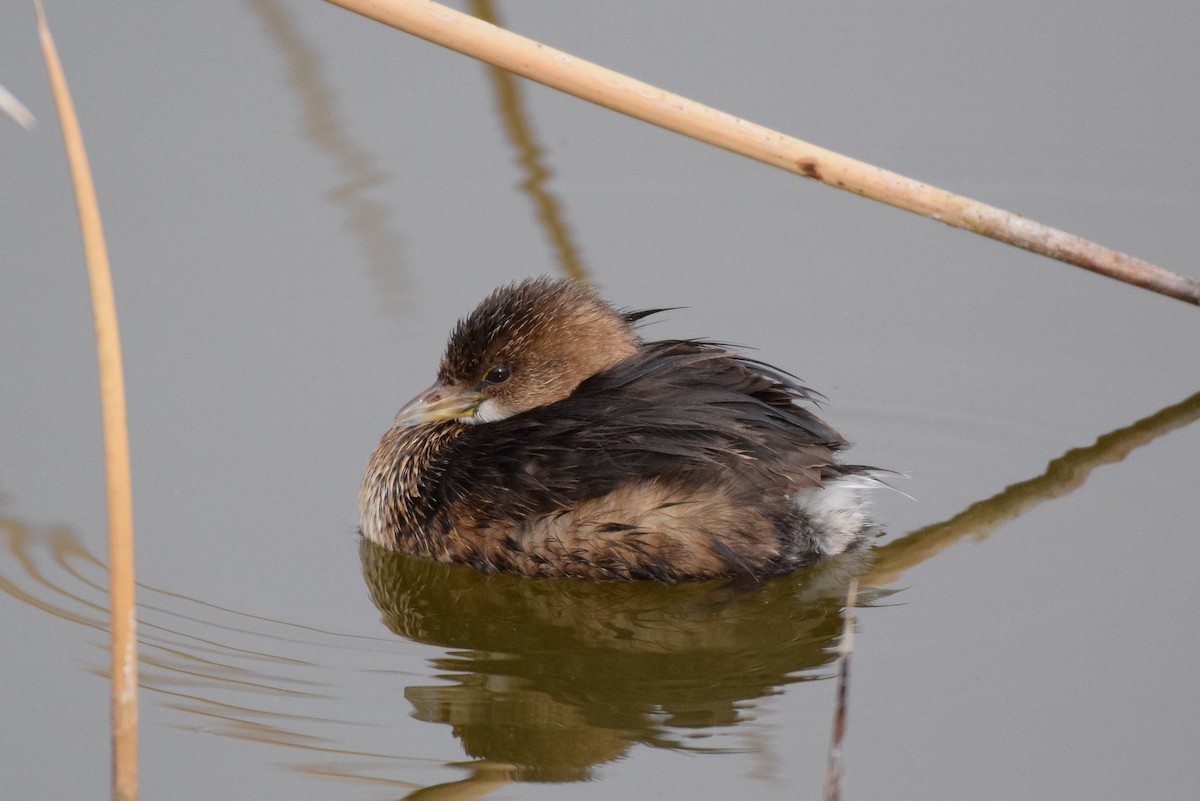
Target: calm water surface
{"type": "Point", "coordinates": [299, 204]}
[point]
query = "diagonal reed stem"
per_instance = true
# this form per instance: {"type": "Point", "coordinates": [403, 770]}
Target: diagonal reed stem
{"type": "Point", "coordinates": [479, 39]}
{"type": "Point", "coordinates": [123, 637]}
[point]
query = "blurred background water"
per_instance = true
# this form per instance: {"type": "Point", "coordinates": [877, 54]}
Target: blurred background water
{"type": "Point", "coordinates": [300, 203]}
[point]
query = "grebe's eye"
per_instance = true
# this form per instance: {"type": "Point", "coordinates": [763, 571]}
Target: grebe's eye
{"type": "Point", "coordinates": [498, 374]}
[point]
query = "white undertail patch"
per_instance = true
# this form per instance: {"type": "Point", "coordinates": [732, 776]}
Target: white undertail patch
{"type": "Point", "coordinates": [838, 510]}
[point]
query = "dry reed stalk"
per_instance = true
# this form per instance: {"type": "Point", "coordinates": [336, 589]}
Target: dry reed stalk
{"type": "Point", "coordinates": [479, 39]}
{"type": "Point", "coordinates": [123, 636]}
{"type": "Point", "coordinates": [10, 105]}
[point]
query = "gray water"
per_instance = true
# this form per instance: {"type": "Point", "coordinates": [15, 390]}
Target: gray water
{"type": "Point", "coordinates": [299, 203]}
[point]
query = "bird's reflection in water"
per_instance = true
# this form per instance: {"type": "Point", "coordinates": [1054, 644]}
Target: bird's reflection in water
{"type": "Point", "coordinates": [556, 676]}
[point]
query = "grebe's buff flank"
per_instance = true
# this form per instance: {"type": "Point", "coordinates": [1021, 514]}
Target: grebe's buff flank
{"type": "Point", "coordinates": [556, 442]}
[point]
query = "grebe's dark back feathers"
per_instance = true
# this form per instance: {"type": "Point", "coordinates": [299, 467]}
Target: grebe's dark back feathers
{"type": "Point", "coordinates": [677, 411]}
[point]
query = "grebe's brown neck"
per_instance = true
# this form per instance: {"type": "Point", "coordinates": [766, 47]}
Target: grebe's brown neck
{"type": "Point", "coordinates": [400, 480]}
{"type": "Point", "coordinates": [526, 346]}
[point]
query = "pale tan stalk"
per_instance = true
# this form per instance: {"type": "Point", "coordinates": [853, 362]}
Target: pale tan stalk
{"type": "Point", "coordinates": [123, 635]}
{"type": "Point", "coordinates": [478, 39]}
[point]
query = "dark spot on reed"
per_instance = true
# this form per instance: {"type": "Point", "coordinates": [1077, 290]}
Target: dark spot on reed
{"type": "Point", "coordinates": [810, 168]}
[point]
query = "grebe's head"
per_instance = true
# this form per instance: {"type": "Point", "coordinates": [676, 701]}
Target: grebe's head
{"type": "Point", "coordinates": [527, 345]}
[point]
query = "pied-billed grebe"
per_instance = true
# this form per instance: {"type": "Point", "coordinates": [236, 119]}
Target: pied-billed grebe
{"type": "Point", "coordinates": [556, 442]}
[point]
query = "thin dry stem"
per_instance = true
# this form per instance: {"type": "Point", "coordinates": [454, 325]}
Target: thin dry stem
{"type": "Point", "coordinates": [10, 105]}
{"type": "Point", "coordinates": [481, 40]}
{"type": "Point", "coordinates": [116, 440]}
